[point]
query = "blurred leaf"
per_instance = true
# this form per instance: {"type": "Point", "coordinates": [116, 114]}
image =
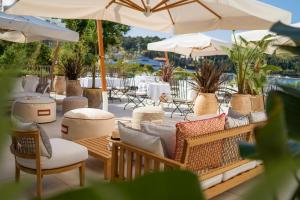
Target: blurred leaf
{"type": "Point", "coordinates": [291, 49]}
{"type": "Point", "coordinates": [272, 145]}
{"type": "Point", "coordinates": [11, 191]}
{"type": "Point", "coordinates": [248, 150]}
{"type": "Point", "coordinates": [175, 185]}
{"type": "Point", "coordinates": [285, 30]}
{"type": "Point", "coordinates": [291, 104]}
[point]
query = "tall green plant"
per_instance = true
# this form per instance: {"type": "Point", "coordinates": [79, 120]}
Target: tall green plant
{"type": "Point", "coordinates": [249, 59]}
{"type": "Point", "coordinates": [71, 59]}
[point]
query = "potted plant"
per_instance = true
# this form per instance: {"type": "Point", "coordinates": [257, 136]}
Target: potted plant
{"type": "Point", "coordinates": [93, 94]}
{"type": "Point", "coordinates": [206, 81]}
{"type": "Point", "coordinates": [59, 82]}
{"type": "Point", "coordinates": [251, 69]}
{"type": "Point", "coordinates": [89, 39]}
{"type": "Point", "coordinates": [73, 65]}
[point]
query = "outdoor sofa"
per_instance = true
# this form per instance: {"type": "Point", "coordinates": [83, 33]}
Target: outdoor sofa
{"type": "Point", "coordinates": [214, 157]}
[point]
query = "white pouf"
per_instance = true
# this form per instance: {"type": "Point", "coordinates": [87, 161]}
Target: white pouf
{"type": "Point", "coordinates": [148, 113]}
{"type": "Point", "coordinates": [86, 123]}
{"type": "Point", "coordinates": [34, 109]}
{"type": "Point", "coordinates": [74, 102]}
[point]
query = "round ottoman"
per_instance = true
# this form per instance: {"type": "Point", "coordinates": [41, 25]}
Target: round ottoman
{"type": "Point", "coordinates": [148, 113]}
{"type": "Point", "coordinates": [86, 123]}
{"type": "Point", "coordinates": [34, 109]}
{"type": "Point", "coordinates": [74, 102]}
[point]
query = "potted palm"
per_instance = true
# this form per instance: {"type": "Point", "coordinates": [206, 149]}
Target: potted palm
{"type": "Point", "coordinates": [73, 65]}
{"type": "Point", "coordinates": [251, 69]}
{"type": "Point", "coordinates": [206, 81]}
{"type": "Point", "coordinates": [89, 39]}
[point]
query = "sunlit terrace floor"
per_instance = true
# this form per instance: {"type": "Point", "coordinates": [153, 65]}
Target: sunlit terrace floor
{"type": "Point", "coordinates": [94, 168]}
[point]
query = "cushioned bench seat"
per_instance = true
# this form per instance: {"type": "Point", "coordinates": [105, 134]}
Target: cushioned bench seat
{"type": "Point", "coordinates": [64, 153]}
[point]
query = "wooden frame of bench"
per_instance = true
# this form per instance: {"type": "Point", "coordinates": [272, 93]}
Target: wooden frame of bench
{"type": "Point", "coordinates": [138, 161]}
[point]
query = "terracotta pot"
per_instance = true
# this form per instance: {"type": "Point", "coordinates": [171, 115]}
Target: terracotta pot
{"type": "Point", "coordinates": [257, 103]}
{"type": "Point", "coordinates": [206, 103]}
{"type": "Point", "coordinates": [241, 103]}
{"type": "Point", "coordinates": [73, 88]}
{"type": "Point", "coordinates": [94, 96]}
{"type": "Point", "coordinates": [59, 84]}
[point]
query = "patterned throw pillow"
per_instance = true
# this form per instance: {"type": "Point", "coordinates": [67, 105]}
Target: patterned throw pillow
{"type": "Point", "coordinates": [235, 119]}
{"type": "Point", "coordinates": [203, 156]}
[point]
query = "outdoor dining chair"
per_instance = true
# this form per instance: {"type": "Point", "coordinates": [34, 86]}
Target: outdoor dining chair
{"type": "Point", "coordinates": [134, 96]}
{"type": "Point", "coordinates": [179, 93]}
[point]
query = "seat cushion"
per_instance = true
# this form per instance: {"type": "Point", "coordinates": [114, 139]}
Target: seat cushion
{"type": "Point", "coordinates": [238, 170]}
{"type": "Point", "coordinates": [211, 181]}
{"type": "Point", "coordinates": [88, 113]}
{"type": "Point", "coordinates": [64, 153]}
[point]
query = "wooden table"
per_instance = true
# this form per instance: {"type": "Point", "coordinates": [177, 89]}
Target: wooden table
{"type": "Point", "coordinates": [98, 148]}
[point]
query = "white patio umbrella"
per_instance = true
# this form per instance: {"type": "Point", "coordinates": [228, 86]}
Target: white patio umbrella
{"type": "Point", "coordinates": [257, 35]}
{"type": "Point", "coordinates": [24, 29]}
{"type": "Point", "coordinates": [194, 45]}
{"type": "Point", "coordinates": [180, 16]}
{"type": "Point", "coordinates": [177, 16]}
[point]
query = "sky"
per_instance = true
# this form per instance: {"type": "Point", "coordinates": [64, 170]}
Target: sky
{"type": "Point", "coordinates": [291, 5]}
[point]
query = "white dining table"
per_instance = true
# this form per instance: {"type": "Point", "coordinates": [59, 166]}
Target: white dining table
{"type": "Point", "coordinates": [156, 89]}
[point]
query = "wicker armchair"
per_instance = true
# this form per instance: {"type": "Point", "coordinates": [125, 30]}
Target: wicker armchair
{"type": "Point", "coordinates": [219, 154]}
{"type": "Point", "coordinates": [26, 149]}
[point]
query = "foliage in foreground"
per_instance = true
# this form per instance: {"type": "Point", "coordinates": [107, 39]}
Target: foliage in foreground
{"type": "Point", "coordinates": [278, 143]}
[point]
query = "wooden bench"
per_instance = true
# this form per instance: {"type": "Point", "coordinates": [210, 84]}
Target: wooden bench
{"type": "Point", "coordinates": [98, 148]}
{"type": "Point", "coordinates": [129, 162]}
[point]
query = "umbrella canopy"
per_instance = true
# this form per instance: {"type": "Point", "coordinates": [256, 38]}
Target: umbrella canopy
{"type": "Point", "coordinates": [177, 16]}
{"type": "Point", "coordinates": [194, 44]}
{"type": "Point", "coordinates": [258, 35]}
{"type": "Point", "coordinates": [24, 29]}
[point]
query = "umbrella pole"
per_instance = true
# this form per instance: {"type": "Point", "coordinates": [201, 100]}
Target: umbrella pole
{"type": "Point", "coordinates": [55, 56]}
{"type": "Point", "coordinates": [102, 65]}
{"type": "Point", "coordinates": [167, 58]}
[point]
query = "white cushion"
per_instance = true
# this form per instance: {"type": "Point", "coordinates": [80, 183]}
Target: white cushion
{"type": "Point", "coordinates": [238, 170]}
{"type": "Point", "coordinates": [18, 87]}
{"type": "Point", "coordinates": [64, 153]}
{"type": "Point", "coordinates": [31, 83]}
{"type": "Point", "coordinates": [259, 162]}
{"type": "Point", "coordinates": [211, 181]}
{"type": "Point", "coordinates": [88, 113]}
{"type": "Point", "coordinates": [141, 140]}
{"type": "Point", "coordinates": [167, 134]}
{"type": "Point", "coordinates": [258, 117]}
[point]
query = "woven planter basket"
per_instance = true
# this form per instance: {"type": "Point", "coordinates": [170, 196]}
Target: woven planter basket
{"type": "Point", "coordinates": [73, 88]}
{"type": "Point", "coordinates": [94, 96]}
{"type": "Point", "coordinates": [241, 103]}
{"type": "Point", "coordinates": [59, 84]}
{"type": "Point", "coordinates": [206, 103]}
{"type": "Point", "coordinates": [257, 103]}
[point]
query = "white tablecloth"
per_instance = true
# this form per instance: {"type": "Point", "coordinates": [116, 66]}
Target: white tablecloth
{"type": "Point", "coordinates": [155, 90]}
